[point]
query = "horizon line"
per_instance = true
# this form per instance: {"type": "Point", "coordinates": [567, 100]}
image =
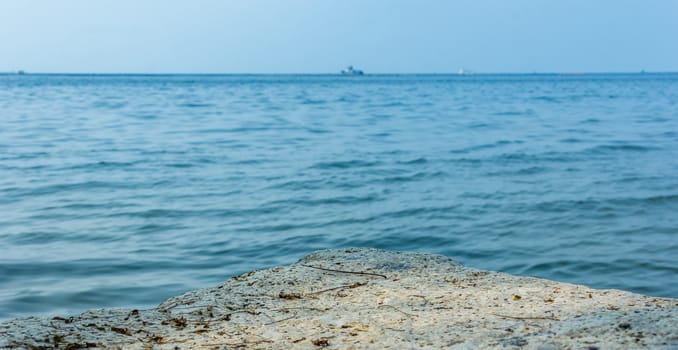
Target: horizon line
{"type": "Point", "coordinates": [25, 72]}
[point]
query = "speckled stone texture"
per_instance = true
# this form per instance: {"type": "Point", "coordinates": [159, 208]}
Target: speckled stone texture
{"type": "Point", "coordinates": [369, 299]}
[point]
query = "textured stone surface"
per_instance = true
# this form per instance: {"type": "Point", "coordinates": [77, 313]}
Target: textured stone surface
{"type": "Point", "coordinates": [366, 298]}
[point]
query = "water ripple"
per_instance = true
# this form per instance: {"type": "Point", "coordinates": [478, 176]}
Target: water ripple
{"type": "Point", "coordinates": [123, 190]}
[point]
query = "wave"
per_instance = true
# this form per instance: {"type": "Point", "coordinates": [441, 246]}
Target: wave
{"type": "Point", "coordinates": [345, 164]}
{"type": "Point", "coordinates": [418, 176]}
{"type": "Point", "coordinates": [162, 213]}
{"type": "Point", "coordinates": [420, 160]}
{"type": "Point", "coordinates": [195, 105]}
{"type": "Point", "coordinates": [591, 204]}
{"type": "Point", "coordinates": [532, 170]}
{"type": "Point", "coordinates": [55, 189]}
{"type": "Point", "coordinates": [514, 113]}
{"type": "Point", "coordinates": [603, 149]}
{"type": "Point", "coordinates": [100, 165]}
{"type": "Point", "coordinates": [481, 147]}
{"type": "Point", "coordinates": [339, 200]}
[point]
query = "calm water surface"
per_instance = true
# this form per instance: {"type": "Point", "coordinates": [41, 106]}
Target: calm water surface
{"type": "Point", "coordinates": [125, 190]}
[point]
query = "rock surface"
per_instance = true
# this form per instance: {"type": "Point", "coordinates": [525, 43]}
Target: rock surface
{"type": "Point", "coordinates": [365, 298]}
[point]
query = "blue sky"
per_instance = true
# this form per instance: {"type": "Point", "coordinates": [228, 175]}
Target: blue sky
{"type": "Point", "coordinates": [323, 36]}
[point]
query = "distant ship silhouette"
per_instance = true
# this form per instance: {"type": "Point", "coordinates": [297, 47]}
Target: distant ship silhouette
{"type": "Point", "coordinates": [351, 71]}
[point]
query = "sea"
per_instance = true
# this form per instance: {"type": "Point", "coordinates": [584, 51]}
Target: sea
{"type": "Point", "coordinates": [124, 190]}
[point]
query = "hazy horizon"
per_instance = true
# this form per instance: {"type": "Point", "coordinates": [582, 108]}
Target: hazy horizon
{"type": "Point", "coordinates": [334, 73]}
{"type": "Point", "coordinates": [308, 37]}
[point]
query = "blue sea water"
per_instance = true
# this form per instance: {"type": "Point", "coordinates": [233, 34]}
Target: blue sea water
{"type": "Point", "coordinates": [123, 190]}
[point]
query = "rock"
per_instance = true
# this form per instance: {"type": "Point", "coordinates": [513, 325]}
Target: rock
{"type": "Point", "coordinates": [366, 298]}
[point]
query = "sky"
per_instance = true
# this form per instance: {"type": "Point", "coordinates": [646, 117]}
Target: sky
{"type": "Point", "coordinates": [324, 36]}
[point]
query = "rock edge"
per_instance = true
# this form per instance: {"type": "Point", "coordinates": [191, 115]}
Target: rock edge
{"type": "Point", "coordinates": [361, 298]}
